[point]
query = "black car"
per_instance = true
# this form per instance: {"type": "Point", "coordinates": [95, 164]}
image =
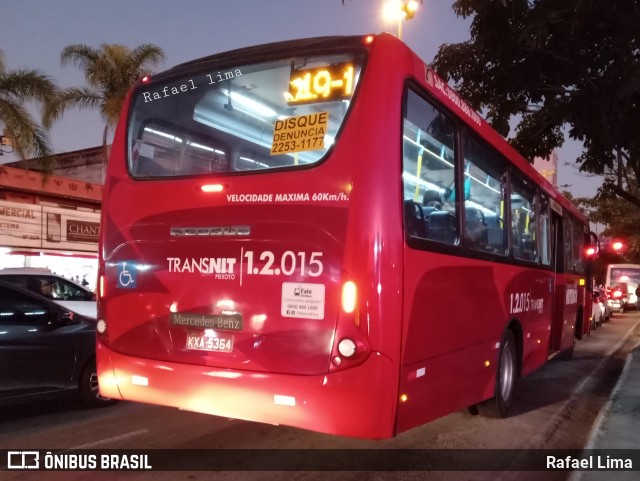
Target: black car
{"type": "Point", "coordinates": [45, 349]}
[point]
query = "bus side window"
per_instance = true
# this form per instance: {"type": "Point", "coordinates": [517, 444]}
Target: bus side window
{"type": "Point", "coordinates": [544, 231]}
{"type": "Point", "coordinates": [578, 247]}
{"type": "Point", "coordinates": [428, 153]}
{"type": "Point", "coordinates": [484, 172]}
{"type": "Point", "coordinates": [568, 243]}
{"type": "Point", "coordinates": [523, 220]}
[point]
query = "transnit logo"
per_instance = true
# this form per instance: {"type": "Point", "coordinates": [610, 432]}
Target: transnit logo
{"type": "Point", "coordinates": [204, 265]}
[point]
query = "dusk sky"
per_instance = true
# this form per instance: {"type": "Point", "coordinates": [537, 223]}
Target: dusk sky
{"type": "Point", "coordinates": [34, 32]}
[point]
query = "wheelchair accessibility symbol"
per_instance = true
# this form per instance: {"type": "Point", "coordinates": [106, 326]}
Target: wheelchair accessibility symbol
{"type": "Point", "coordinates": [127, 274]}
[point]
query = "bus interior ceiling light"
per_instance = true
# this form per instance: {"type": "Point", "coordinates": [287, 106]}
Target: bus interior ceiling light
{"type": "Point", "coordinates": [253, 105]}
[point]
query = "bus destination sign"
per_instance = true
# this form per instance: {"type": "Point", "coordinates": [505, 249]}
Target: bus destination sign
{"type": "Point", "coordinates": [322, 84]}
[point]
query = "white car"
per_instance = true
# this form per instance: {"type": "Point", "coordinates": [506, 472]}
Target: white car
{"type": "Point", "coordinates": [606, 303]}
{"type": "Point", "coordinates": [597, 311]}
{"type": "Point", "coordinates": [58, 289]}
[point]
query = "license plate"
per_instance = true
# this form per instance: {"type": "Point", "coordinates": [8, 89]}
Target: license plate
{"type": "Point", "coordinates": [207, 341]}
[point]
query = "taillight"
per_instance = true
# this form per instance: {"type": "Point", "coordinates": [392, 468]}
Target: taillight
{"type": "Point", "coordinates": [349, 296]}
{"type": "Point", "coordinates": [351, 343]}
{"type": "Point", "coordinates": [101, 326]}
{"type": "Point", "coordinates": [368, 39]}
{"type": "Point", "coordinates": [101, 286]}
{"type": "Point", "coordinates": [617, 294]}
{"type": "Point", "coordinates": [347, 347]}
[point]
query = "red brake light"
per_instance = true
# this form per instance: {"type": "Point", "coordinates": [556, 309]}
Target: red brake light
{"type": "Point", "coordinates": [617, 294]}
{"type": "Point", "coordinates": [212, 188]}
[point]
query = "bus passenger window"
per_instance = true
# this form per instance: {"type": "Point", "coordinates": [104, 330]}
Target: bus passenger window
{"type": "Point", "coordinates": [578, 246]}
{"type": "Point", "coordinates": [523, 220]}
{"type": "Point", "coordinates": [484, 198]}
{"type": "Point", "coordinates": [428, 152]}
{"type": "Point", "coordinates": [568, 243]}
{"type": "Point", "coordinates": [544, 231]}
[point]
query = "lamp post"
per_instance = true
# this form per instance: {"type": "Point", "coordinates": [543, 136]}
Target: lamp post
{"type": "Point", "coordinates": [399, 10]}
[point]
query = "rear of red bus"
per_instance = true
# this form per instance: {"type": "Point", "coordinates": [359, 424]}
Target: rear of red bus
{"type": "Point", "coordinates": [240, 236]}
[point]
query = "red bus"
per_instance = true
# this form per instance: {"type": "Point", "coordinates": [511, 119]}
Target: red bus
{"type": "Point", "coordinates": [320, 233]}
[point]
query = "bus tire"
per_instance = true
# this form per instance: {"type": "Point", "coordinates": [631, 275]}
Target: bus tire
{"type": "Point", "coordinates": [88, 387]}
{"type": "Point", "coordinates": [500, 404]}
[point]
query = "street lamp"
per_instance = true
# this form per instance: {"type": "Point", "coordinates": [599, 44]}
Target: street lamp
{"type": "Point", "coordinates": [398, 10]}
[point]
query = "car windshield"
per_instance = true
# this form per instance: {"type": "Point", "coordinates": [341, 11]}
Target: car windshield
{"type": "Point", "coordinates": [626, 274]}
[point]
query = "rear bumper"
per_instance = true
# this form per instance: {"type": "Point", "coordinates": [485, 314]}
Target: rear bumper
{"type": "Point", "coordinates": [358, 402]}
{"type": "Point", "coordinates": [618, 305]}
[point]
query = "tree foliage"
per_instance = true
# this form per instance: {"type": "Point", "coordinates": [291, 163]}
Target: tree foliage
{"type": "Point", "coordinates": [18, 87]}
{"type": "Point", "coordinates": [110, 72]}
{"type": "Point", "coordinates": [557, 63]}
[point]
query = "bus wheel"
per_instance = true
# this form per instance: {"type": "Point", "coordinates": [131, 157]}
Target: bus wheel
{"type": "Point", "coordinates": [88, 385]}
{"type": "Point", "coordinates": [499, 405]}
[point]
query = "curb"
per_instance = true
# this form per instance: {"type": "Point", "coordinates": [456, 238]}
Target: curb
{"type": "Point", "coordinates": [596, 430]}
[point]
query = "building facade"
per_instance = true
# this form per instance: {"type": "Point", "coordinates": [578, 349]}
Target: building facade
{"type": "Point", "coordinates": [53, 221]}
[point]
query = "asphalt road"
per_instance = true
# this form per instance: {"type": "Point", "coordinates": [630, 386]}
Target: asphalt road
{"type": "Point", "coordinates": [555, 408]}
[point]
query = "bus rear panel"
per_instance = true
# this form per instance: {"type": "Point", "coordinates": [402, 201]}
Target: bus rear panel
{"type": "Point", "coordinates": [226, 262]}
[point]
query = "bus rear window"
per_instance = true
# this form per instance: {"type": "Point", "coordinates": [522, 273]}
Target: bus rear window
{"type": "Point", "coordinates": [261, 116]}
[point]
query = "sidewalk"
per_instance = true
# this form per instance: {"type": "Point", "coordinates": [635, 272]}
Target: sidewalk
{"type": "Point", "coordinates": [618, 424]}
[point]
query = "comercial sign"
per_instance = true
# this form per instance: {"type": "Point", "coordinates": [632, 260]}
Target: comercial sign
{"type": "Point", "coordinates": [79, 231]}
{"type": "Point", "coordinates": [20, 224]}
{"type": "Point", "coordinates": [48, 227]}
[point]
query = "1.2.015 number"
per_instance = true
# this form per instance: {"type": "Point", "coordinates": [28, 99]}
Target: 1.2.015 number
{"type": "Point", "coordinates": [519, 302]}
{"type": "Point", "coordinates": [290, 263]}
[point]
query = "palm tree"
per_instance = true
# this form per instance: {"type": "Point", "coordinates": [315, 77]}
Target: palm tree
{"type": "Point", "coordinates": [16, 88]}
{"type": "Point", "coordinates": [110, 72]}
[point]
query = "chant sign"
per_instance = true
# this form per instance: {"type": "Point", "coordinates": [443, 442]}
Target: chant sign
{"type": "Point", "coordinates": [321, 84]}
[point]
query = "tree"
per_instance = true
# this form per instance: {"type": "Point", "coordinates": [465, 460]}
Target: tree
{"type": "Point", "coordinates": [110, 72]}
{"type": "Point", "coordinates": [557, 63]}
{"type": "Point", "coordinates": [16, 88]}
